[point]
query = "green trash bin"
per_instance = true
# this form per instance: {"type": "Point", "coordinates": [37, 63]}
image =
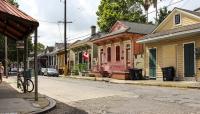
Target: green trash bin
{"type": "Point", "coordinates": [28, 73]}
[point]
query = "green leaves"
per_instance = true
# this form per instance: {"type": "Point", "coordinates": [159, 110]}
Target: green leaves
{"type": "Point", "coordinates": [110, 11]}
{"type": "Point", "coordinates": [162, 14]}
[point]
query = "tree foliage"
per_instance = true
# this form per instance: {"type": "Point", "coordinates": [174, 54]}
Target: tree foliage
{"type": "Point", "coordinates": [109, 11]}
{"type": "Point", "coordinates": [13, 2]}
{"type": "Point", "coordinates": [40, 47]}
{"type": "Point", "coordinates": [163, 13]}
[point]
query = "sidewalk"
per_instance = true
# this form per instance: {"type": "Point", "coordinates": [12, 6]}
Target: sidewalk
{"type": "Point", "coordinates": [178, 84]}
{"type": "Point", "coordinates": [12, 101]}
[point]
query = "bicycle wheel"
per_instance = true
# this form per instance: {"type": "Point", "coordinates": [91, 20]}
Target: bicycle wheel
{"type": "Point", "coordinates": [30, 85]}
{"type": "Point", "coordinates": [20, 85]}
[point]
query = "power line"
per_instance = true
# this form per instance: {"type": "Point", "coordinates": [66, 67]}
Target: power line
{"type": "Point", "coordinates": [78, 37]}
{"type": "Point", "coordinates": [166, 6]}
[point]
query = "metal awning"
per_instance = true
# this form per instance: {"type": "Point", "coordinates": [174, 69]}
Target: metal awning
{"type": "Point", "coordinates": [14, 23]}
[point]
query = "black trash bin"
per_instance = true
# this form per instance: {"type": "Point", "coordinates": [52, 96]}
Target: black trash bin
{"type": "Point", "coordinates": [135, 74]}
{"type": "Point", "coordinates": [168, 73]}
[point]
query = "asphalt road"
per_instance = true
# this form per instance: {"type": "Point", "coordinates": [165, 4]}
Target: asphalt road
{"type": "Point", "coordinates": [82, 96]}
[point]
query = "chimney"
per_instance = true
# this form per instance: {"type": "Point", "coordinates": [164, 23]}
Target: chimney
{"type": "Point", "coordinates": [93, 30]}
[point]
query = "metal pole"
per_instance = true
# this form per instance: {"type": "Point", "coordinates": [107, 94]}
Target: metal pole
{"type": "Point", "coordinates": [6, 56]}
{"type": "Point", "coordinates": [65, 35]}
{"type": "Point", "coordinates": [25, 63]}
{"type": "Point", "coordinates": [36, 66]}
{"type": "Point", "coordinates": [17, 67]}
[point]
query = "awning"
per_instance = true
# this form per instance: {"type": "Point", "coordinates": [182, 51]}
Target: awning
{"type": "Point", "coordinates": [14, 23]}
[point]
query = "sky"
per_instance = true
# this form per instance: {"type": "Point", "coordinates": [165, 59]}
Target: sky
{"type": "Point", "coordinates": [82, 14]}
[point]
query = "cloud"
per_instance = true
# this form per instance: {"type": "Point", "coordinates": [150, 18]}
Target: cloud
{"type": "Point", "coordinates": [81, 12]}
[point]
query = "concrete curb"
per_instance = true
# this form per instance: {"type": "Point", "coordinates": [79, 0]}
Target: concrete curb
{"type": "Point", "coordinates": [191, 85]}
{"type": "Point", "coordinates": [52, 104]}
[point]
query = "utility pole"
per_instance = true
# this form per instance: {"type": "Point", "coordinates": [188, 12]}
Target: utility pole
{"type": "Point", "coordinates": [6, 56]}
{"type": "Point", "coordinates": [65, 36]}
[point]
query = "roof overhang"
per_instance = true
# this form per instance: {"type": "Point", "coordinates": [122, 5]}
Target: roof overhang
{"type": "Point", "coordinates": [170, 36]}
{"type": "Point", "coordinates": [124, 35]}
{"type": "Point", "coordinates": [14, 23]}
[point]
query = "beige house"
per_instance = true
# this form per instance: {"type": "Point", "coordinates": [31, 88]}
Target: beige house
{"type": "Point", "coordinates": [175, 42]}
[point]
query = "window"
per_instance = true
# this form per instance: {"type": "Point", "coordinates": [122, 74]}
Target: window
{"type": "Point", "coordinates": [117, 53]}
{"type": "Point", "coordinates": [128, 52]}
{"type": "Point", "coordinates": [177, 19]}
{"type": "Point", "coordinates": [109, 54]}
{"type": "Point", "coordinates": [101, 56]}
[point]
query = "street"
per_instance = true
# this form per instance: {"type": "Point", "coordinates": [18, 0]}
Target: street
{"type": "Point", "coordinates": [95, 97]}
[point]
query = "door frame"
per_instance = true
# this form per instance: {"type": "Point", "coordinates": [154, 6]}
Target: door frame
{"type": "Point", "coordinates": [149, 61]}
{"type": "Point", "coordinates": [184, 58]}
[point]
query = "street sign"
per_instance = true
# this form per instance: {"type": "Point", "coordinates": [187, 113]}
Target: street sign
{"type": "Point", "coordinates": [20, 44]}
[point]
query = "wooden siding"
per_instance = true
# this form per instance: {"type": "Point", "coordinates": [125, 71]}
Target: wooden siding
{"type": "Point", "coordinates": [185, 20]}
{"type": "Point", "coordinates": [180, 59]}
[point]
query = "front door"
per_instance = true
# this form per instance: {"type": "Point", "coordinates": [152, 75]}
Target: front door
{"type": "Point", "coordinates": [189, 64]}
{"type": "Point", "coordinates": [152, 63]}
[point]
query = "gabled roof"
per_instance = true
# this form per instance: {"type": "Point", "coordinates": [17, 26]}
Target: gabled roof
{"type": "Point", "coordinates": [193, 13]}
{"type": "Point", "coordinates": [133, 27]}
{"type": "Point", "coordinates": [140, 28]}
{"type": "Point", "coordinates": [171, 33]}
{"type": "Point", "coordinates": [86, 40]}
{"type": "Point", "coordinates": [14, 23]}
{"type": "Point", "coordinates": [188, 29]}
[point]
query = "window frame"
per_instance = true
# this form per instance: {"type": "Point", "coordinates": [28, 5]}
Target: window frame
{"type": "Point", "coordinates": [177, 24]}
{"type": "Point", "coordinates": [108, 54]}
{"type": "Point", "coordinates": [117, 53]}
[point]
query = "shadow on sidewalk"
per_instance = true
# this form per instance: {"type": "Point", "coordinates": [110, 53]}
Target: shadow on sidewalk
{"type": "Point", "coordinates": [6, 91]}
{"type": "Point", "coordinates": [62, 108]}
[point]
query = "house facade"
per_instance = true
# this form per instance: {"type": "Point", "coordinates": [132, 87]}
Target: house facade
{"type": "Point", "coordinates": [85, 52]}
{"type": "Point", "coordinates": [174, 43]}
{"type": "Point", "coordinates": [60, 57]}
{"type": "Point", "coordinates": [118, 50]}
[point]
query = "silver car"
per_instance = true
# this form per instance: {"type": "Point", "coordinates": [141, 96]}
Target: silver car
{"type": "Point", "coordinates": [51, 72]}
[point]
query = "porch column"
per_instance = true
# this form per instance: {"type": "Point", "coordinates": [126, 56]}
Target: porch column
{"type": "Point", "coordinates": [36, 66]}
{"type": "Point", "coordinates": [132, 52]}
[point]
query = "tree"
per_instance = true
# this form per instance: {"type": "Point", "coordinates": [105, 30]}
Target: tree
{"type": "Point", "coordinates": [40, 47]}
{"type": "Point", "coordinates": [163, 13]}
{"type": "Point", "coordinates": [13, 2]}
{"type": "Point", "coordinates": [146, 4]}
{"type": "Point", "coordinates": [109, 11]}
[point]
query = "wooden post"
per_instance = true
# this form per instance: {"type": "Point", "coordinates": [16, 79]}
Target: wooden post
{"type": "Point", "coordinates": [36, 66]}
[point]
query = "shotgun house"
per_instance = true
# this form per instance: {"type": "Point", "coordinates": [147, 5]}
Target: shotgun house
{"type": "Point", "coordinates": [118, 50]}
{"type": "Point", "coordinates": [85, 52]}
{"type": "Point", "coordinates": [60, 58]}
{"type": "Point", "coordinates": [174, 43]}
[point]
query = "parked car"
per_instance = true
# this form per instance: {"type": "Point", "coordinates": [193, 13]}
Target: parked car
{"type": "Point", "coordinates": [42, 70]}
{"type": "Point", "coordinates": [51, 72]}
{"type": "Point", "coordinates": [13, 71]}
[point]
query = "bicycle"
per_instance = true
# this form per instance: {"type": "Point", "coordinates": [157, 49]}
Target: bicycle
{"type": "Point", "coordinates": [22, 85]}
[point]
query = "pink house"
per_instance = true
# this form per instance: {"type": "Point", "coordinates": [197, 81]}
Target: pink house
{"type": "Point", "coordinates": [118, 50]}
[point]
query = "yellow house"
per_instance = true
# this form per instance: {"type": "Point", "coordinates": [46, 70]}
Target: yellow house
{"type": "Point", "coordinates": [61, 60]}
{"type": "Point", "coordinates": [174, 43]}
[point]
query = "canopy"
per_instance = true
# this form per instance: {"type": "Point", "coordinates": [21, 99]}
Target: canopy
{"type": "Point", "coordinates": [14, 23]}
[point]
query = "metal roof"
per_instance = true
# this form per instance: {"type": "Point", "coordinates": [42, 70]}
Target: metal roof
{"type": "Point", "coordinates": [14, 23]}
